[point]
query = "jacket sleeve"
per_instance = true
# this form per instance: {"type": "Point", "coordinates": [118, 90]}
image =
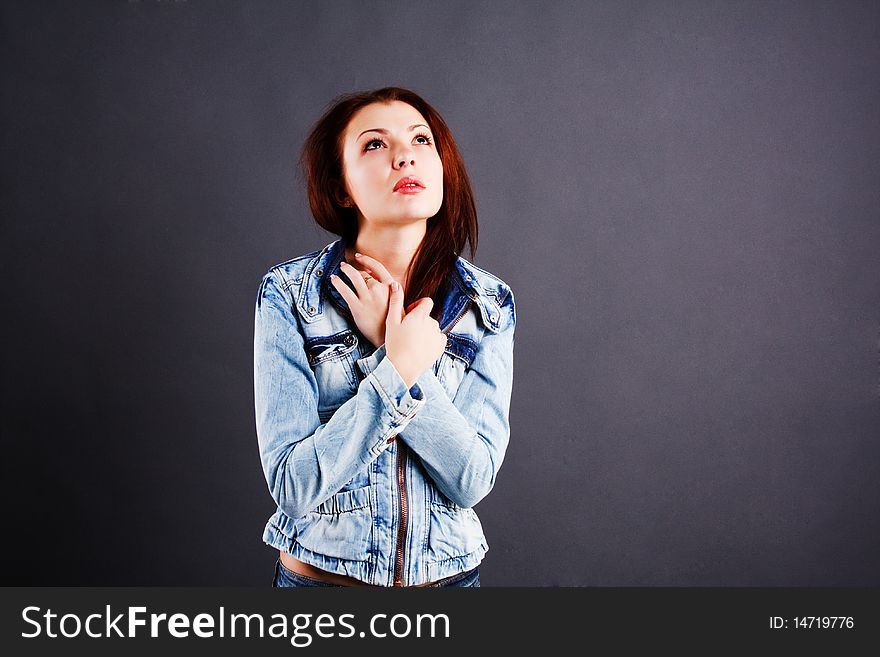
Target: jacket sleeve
{"type": "Point", "coordinates": [306, 462]}
{"type": "Point", "coordinates": [461, 443]}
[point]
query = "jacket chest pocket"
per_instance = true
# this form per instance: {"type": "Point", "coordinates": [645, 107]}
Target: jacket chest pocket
{"type": "Point", "coordinates": [332, 359]}
{"type": "Point", "coordinates": [455, 361]}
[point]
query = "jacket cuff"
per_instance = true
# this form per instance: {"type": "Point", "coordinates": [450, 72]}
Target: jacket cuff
{"type": "Point", "coordinates": [368, 363]}
{"type": "Point", "coordinates": [390, 385]}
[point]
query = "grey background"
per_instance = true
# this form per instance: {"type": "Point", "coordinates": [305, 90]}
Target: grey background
{"type": "Point", "coordinates": [683, 196]}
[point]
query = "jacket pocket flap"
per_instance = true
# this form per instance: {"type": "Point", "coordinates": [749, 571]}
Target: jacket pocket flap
{"type": "Point", "coordinates": [344, 501]}
{"type": "Point", "coordinates": [461, 347]}
{"type": "Point", "coordinates": [329, 347]}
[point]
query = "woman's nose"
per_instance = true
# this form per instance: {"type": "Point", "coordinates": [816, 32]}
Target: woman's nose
{"type": "Point", "coordinates": [405, 158]}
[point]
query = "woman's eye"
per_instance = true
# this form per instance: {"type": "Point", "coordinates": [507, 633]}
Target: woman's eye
{"type": "Point", "coordinates": [427, 142]}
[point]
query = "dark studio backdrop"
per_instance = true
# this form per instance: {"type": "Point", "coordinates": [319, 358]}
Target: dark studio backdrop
{"type": "Point", "coordinates": [682, 195]}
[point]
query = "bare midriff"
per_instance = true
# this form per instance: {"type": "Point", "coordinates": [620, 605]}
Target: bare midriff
{"type": "Point", "coordinates": [309, 570]}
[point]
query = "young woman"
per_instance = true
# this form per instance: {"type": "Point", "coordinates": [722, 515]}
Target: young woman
{"type": "Point", "coordinates": [383, 363]}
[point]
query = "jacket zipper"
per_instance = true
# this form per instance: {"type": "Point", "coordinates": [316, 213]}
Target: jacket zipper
{"type": "Point", "coordinates": [460, 315]}
{"type": "Point", "coordinates": [401, 529]}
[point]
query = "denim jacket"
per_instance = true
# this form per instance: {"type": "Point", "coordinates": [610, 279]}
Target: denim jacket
{"type": "Point", "coordinates": [371, 479]}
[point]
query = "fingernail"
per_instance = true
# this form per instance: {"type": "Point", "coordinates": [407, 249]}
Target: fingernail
{"type": "Point", "coordinates": [357, 255]}
{"type": "Point", "coordinates": [394, 285]}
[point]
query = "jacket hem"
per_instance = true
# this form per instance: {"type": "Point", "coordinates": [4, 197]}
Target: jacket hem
{"type": "Point", "coordinates": [435, 570]}
{"type": "Point", "coordinates": [362, 570]}
{"type": "Point", "coordinates": [356, 569]}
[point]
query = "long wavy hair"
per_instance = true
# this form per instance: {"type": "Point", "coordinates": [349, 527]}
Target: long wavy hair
{"type": "Point", "coordinates": [446, 232]}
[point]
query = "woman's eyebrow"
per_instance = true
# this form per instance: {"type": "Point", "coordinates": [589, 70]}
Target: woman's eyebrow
{"type": "Point", "coordinates": [385, 132]}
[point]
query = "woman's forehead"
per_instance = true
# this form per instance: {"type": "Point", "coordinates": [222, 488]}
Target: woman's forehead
{"type": "Point", "coordinates": [396, 116]}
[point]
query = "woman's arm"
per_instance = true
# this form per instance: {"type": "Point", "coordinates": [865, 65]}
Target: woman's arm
{"type": "Point", "coordinates": [461, 443]}
{"type": "Point", "coordinates": [304, 461]}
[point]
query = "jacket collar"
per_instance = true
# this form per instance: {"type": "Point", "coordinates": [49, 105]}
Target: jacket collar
{"type": "Point", "coordinates": [468, 284]}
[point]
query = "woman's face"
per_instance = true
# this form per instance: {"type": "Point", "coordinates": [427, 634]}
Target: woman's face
{"type": "Point", "coordinates": [383, 143]}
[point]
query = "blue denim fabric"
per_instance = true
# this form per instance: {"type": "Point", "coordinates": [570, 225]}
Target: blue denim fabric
{"type": "Point", "coordinates": [358, 464]}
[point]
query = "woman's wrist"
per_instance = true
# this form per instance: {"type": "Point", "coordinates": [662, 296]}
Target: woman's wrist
{"type": "Point", "coordinates": [409, 377]}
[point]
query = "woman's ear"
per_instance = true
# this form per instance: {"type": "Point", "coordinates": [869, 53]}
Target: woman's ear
{"type": "Point", "coordinates": [341, 196]}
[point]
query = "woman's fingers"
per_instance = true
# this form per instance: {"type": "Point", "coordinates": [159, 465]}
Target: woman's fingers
{"type": "Point", "coordinates": [350, 297]}
{"type": "Point", "coordinates": [423, 306]}
{"type": "Point", "coordinates": [355, 277]}
{"type": "Point", "coordinates": [379, 271]}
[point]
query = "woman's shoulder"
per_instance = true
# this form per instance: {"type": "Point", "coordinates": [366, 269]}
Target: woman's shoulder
{"type": "Point", "coordinates": [493, 293]}
{"type": "Point", "coordinates": [281, 278]}
{"type": "Point", "coordinates": [292, 271]}
{"type": "Point", "coordinates": [486, 281]}
{"type": "Point", "coordinates": [287, 269]}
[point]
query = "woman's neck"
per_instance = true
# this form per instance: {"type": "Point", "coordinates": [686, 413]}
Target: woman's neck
{"type": "Point", "coordinates": [393, 246]}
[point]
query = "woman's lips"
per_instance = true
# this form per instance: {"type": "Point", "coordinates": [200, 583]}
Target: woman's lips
{"type": "Point", "coordinates": [408, 181]}
{"type": "Point", "coordinates": [409, 189]}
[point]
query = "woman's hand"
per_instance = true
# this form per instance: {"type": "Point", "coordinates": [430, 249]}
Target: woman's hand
{"type": "Point", "coordinates": [413, 341]}
{"type": "Point", "coordinates": [369, 306]}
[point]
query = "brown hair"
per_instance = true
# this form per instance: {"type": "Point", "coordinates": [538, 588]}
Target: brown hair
{"type": "Point", "coordinates": [446, 232]}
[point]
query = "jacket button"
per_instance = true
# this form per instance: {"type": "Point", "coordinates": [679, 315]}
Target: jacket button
{"type": "Point", "coordinates": [350, 339]}
{"type": "Point", "coordinates": [312, 310]}
{"type": "Point", "coordinates": [467, 277]}
{"type": "Point", "coordinates": [318, 272]}
{"type": "Point", "coordinates": [448, 342]}
{"type": "Point", "coordinates": [493, 317]}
